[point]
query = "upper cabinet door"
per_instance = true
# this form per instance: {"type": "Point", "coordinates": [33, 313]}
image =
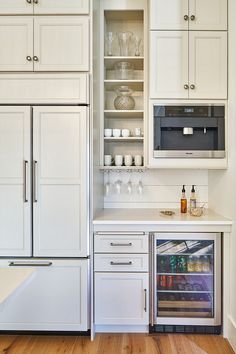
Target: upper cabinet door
{"type": "Point", "coordinates": [13, 7]}
{"type": "Point", "coordinates": [208, 15]}
{"type": "Point", "coordinates": [208, 65]}
{"type": "Point", "coordinates": [61, 7]}
{"type": "Point", "coordinates": [15, 198]}
{"type": "Point", "coordinates": [169, 64]}
{"type": "Point", "coordinates": [16, 43]}
{"type": "Point", "coordinates": [60, 205]}
{"type": "Point", "coordinates": [169, 14]}
{"type": "Point", "coordinates": [61, 43]}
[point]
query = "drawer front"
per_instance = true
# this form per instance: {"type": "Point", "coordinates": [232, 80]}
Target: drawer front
{"type": "Point", "coordinates": [121, 243]}
{"type": "Point", "coordinates": [44, 88]}
{"type": "Point", "coordinates": [121, 263]}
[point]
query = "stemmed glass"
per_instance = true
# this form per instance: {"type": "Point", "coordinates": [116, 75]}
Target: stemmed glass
{"type": "Point", "coordinates": [110, 38]}
{"type": "Point", "coordinates": [108, 185]}
{"type": "Point", "coordinates": [118, 185]}
{"type": "Point", "coordinates": [129, 186]}
{"type": "Point", "coordinates": [140, 186]}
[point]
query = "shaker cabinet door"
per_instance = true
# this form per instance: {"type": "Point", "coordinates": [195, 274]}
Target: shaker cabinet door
{"type": "Point", "coordinates": [121, 299]}
{"type": "Point", "coordinates": [169, 64]}
{"type": "Point", "coordinates": [169, 14]}
{"type": "Point", "coordinates": [208, 15]}
{"type": "Point", "coordinates": [207, 65]}
{"type": "Point", "coordinates": [16, 7]}
{"type": "Point", "coordinates": [62, 7]}
{"type": "Point", "coordinates": [16, 43]}
{"type": "Point", "coordinates": [15, 204]}
{"type": "Point", "coordinates": [61, 43]}
{"type": "Point", "coordinates": [60, 205]}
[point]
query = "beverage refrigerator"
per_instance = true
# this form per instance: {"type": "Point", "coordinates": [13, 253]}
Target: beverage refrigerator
{"type": "Point", "coordinates": [186, 282]}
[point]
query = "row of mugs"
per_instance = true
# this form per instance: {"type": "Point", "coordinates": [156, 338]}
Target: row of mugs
{"type": "Point", "coordinates": [120, 160]}
{"type": "Point", "coordinates": [121, 132]}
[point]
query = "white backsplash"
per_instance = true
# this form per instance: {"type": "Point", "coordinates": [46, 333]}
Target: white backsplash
{"type": "Point", "coordinates": [161, 188]}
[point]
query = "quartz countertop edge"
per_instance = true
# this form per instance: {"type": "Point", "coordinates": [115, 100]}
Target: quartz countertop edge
{"type": "Point", "coordinates": [153, 217]}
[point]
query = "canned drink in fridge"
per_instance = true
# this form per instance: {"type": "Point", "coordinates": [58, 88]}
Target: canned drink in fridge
{"type": "Point", "coordinates": [172, 264]}
{"type": "Point", "coordinates": [162, 281]}
{"type": "Point", "coordinates": [182, 264]}
{"type": "Point", "coordinates": [169, 281]}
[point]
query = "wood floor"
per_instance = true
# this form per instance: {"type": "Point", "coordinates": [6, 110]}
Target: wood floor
{"type": "Point", "coordinates": [116, 344]}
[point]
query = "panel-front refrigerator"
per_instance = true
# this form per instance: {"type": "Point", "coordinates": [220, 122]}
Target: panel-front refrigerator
{"type": "Point", "coordinates": [186, 282]}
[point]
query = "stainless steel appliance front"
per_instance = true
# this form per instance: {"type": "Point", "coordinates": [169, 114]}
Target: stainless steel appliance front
{"type": "Point", "coordinates": [196, 131]}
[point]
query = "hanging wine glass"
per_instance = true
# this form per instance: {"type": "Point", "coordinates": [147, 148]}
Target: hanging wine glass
{"type": "Point", "coordinates": [108, 185]}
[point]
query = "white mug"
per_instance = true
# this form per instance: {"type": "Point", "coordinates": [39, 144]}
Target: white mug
{"type": "Point", "coordinates": [138, 159]}
{"type": "Point", "coordinates": [125, 133]}
{"type": "Point", "coordinates": [118, 160]}
{"type": "Point", "coordinates": [128, 160]}
{"type": "Point", "coordinates": [107, 160]}
{"type": "Point", "coordinates": [137, 132]}
{"type": "Point", "coordinates": [116, 133]}
{"type": "Point", "coordinates": [107, 132]}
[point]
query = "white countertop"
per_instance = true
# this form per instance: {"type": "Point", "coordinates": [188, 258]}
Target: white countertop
{"type": "Point", "coordinates": [11, 279]}
{"type": "Point", "coordinates": [153, 217]}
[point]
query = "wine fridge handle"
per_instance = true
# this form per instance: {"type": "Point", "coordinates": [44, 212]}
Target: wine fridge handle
{"type": "Point", "coordinates": [145, 300]}
{"type": "Point", "coordinates": [25, 181]}
{"type": "Point", "coordinates": [35, 198]}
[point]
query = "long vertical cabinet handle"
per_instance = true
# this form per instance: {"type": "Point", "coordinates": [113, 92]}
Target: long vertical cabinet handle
{"type": "Point", "coordinates": [152, 280]}
{"type": "Point", "coordinates": [145, 300]}
{"type": "Point", "coordinates": [25, 181]}
{"type": "Point", "coordinates": [35, 197]}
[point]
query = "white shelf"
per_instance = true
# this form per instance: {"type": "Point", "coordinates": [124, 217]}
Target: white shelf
{"type": "Point", "coordinates": [138, 62]}
{"type": "Point", "coordinates": [135, 85]}
{"type": "Point", "coordinates": [123, 139]}
{"type": "Point", "coordinates": [113, 57]}
{"type": "Point", "coordinates": [122, 168]}
{"type": "Point", "coordinates": [123, 114]}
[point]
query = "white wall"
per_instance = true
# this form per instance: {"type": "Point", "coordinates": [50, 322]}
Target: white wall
{"type": "Point", "coordinates": [162, 188]}
{"type": "Point", "coordinates": [222, 184]}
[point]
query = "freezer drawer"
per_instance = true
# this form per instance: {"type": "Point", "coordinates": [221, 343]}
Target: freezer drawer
{"type": "Point", "coordinates": [54, 299]}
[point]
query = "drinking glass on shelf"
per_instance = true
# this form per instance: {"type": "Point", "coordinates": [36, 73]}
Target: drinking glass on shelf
{"type": "Point", "coordinates": [110, 38]}
{"type": "Point", "coordinates": [137, 42]}
{"type": "Point", "coordinates": [124, 39]}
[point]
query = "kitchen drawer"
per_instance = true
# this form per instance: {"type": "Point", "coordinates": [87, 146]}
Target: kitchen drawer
{"type": "Point", "coordinates": [121, 243]}
{"type": "Point", "coordinates": [121, 262]}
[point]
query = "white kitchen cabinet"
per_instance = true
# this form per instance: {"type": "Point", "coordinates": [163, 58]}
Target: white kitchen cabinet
{"type": "Point", "coordinates": [60, 203]}
{"type": "Point", "coordinates": [121, 299]}
{"type": "Point", "coordinates": [192, 15]}
{"type": "Point", "coordinates": [61, 43]}
{"type": "Point", "coordinates": [16, 43]}
{"type": "Point", "coordinates": [14, 7]}
{"type": "Point", "coordinates": [49, 43]}
{"type": "Point", "coordinates": [168, 64]}
{"type": "Point", "coordinates": [15, 199]}
{"type": "Point", "coordinates": [188, 64]}
{"type": "Point", "coordinates": [55, 297]}
{"type": "Point", "coordinates": [207, 65]}
{"type": "Point", "coordinates": [39, 7]}
{"type": "Point", "coordinates": [168, 14]}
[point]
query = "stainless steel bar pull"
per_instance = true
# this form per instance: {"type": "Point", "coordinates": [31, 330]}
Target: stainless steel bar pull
{"type": "Point", "coordinates": [145, 300]}
{"type": "Point", "coordinates": [35, 198]}
{"type": "Point", "coordinates": [120, 244]}
{"type": "Point", "coordinates": [25, 181]}
{"type": "Point", "coordinates": [30, 264]}
{"type": "Point", "coordinates": [121, 263]}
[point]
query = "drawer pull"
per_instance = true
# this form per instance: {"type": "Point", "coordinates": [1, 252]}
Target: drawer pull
{"type": "Point", "coordinates": [121, 263]}
{"type": "Point", "coordinates": [29, 264]}
{"type": "Point", "coordinates": [121, 244]}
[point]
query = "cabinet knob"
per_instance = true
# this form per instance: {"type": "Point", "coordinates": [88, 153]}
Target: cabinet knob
{"type": "Point", "coordinates": [192, 87]}
{"type": "Point", "coordinates": [186, 18]}
{"type": "Point", "coordinates": [193, 18]}
{"type": "Point", "coordinates": [35, 58]}
{"type": "Point", "coordinates": [36, 1]}
{"type": "Point", "coordinates": [186, 87]}
{"type": "Point", "coordinates": [28, 58]}
{"type": "Point", "coordinates": [29, 1]}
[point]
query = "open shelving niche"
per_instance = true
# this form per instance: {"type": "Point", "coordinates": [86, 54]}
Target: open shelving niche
{"type": "Point", "coordinates": [115, 17]}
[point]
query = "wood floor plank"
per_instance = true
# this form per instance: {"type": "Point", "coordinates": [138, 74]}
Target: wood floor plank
{"type": "Point", "coordinates": [116, 344]}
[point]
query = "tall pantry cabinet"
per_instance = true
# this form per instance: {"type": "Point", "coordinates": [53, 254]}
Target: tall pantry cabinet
{"type": "Point", "coordinates": [44, 154]}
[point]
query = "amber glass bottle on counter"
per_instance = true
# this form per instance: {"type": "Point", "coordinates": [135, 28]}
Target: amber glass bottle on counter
{"type": "Point", "coordinates": [183, 202]}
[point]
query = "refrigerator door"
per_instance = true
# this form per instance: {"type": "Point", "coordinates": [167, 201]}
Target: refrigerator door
{"type": "Point", "coordinates": [60, 181]}
{"type": "Point", "coordinates": [187, 279]}
{"type": "Point", "coordinates": [53, 298]}
{"type": "Point", "coordinates": [15, 186]}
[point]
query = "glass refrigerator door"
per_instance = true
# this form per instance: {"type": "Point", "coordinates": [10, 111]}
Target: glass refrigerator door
{"type": "Point", "coordinates": [185, 278]}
